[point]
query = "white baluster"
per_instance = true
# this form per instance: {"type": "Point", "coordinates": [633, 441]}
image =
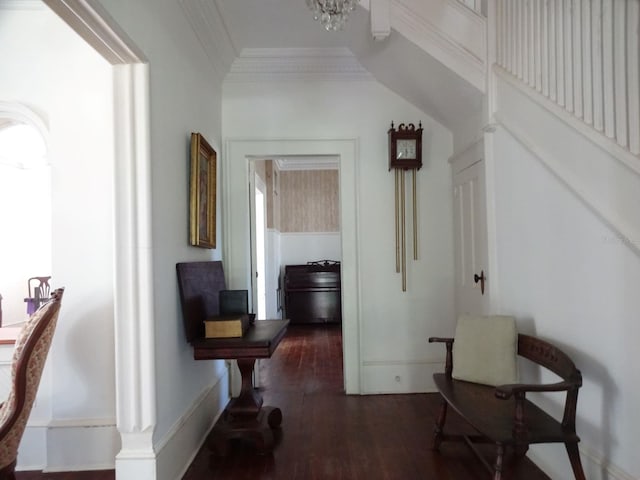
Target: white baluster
{"type": "Point", "coordinates": [587, 89]}
{"type": "Point", "coordinates": [560, 52]}
{"type": "Point", "coordinates": [568, 57]}
{"type": "Point", "coordinates": [544, 47]}
{"type": "Point", "coordinates": [633, 72]}
{"type": "Point", "coordinates": [577, 58]}
{"type": "Point", "coordinates": [607, 68]}
{"type": "Point", "coordinates": [620, 66]}
{"type": "Point", "coordinates": [596, 57]}
{"type": "Point", "coordinates": [553, 54]}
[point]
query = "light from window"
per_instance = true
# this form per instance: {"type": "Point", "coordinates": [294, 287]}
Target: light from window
{"type": "Point", "coordinates": [22, 146]}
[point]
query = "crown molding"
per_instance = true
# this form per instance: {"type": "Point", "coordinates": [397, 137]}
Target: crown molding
{"type": "Point", "coordinates": [212, 33]}
{"type": "Point", "coordinates": [277, 64]}
{"type": "Point", "coordinates": [92, 22]}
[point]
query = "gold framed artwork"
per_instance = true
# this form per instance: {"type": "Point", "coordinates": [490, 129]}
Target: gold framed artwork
{"type": "Point", "coordinates": [202, 202]}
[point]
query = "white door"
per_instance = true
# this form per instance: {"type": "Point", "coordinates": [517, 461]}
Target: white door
{"type": "Point", "coordinates": [470, 231]}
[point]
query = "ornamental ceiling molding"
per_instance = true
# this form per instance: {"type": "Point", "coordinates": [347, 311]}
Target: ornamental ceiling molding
{"type": "Point", "coordinates": [277, 64]}
{"type": "Point", "coordinates": [212, 33]}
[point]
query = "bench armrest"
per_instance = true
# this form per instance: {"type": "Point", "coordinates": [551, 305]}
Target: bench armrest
{"type": "Point", "coordinates": [448, 366]}
{"type": "Point", "coordinates": [440, 340]}
{"type": "Point", "coordinates": [507, 391]}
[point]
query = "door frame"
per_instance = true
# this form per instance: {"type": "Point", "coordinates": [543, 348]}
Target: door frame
{"type": "Point", "coordinates": [235, 180]}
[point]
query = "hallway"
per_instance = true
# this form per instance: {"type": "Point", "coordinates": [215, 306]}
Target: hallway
{"type": "Point", "coordinates": [327, 435]}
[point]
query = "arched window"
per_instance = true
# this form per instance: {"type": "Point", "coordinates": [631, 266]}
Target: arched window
{"type": "Point", "coordinates": [25, 207]}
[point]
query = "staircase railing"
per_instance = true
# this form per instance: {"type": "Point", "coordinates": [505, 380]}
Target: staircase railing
{"type": "Point", "coordinates": [581, 54]}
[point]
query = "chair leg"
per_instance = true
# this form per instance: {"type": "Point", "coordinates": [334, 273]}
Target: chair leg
{"type": "Point", "coordinates": [497, 468]}
{"type": "Point", "coordinates": [438, 428]}
{"type": "Point", "coordinates": [8, 472]}
{"type": "Point", "coordinates": [574, 458]}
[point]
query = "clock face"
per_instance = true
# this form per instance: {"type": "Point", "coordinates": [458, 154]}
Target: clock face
{"type": "Point", "coordinates": [406, 149]}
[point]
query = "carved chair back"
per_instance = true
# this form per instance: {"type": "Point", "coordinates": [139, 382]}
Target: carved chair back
{"type": "Point", "coordinates": [30, 353]}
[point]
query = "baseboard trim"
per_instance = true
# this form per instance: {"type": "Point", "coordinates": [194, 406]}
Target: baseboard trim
{"type": "Point", "coordinates": [178, 448]}
{"type": "Point", "coordinates": [595, 466]}
{"type": "Point", "coordinates": [45, 447]}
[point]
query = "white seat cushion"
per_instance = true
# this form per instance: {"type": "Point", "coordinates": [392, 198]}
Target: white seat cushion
{"type": "Point", "coordinates": [485, 350]}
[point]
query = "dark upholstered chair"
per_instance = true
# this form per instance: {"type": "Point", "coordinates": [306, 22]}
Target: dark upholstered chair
{"type": "Point", "coordinates": [31, 349]}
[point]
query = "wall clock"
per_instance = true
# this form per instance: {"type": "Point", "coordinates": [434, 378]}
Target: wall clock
{"type": "Point", "coordinates": [405, 146]}
{"type": "Point", "coordinates": [405, 153]}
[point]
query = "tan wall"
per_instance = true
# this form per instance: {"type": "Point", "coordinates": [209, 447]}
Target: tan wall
{"type": "Point", "coordinates": [309, 201]}
{"type": "Point", "coordinates": [273, 198]}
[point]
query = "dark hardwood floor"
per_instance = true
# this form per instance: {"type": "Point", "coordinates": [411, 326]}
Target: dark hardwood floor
{"type": "Point", "coordinates": [326, 435]}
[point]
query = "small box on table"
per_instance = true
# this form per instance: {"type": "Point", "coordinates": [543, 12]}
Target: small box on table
{"type": "Point", "coordinates": [227, 326]}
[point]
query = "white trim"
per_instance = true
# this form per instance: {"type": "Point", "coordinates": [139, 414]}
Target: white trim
{"type": "Point", "coordinates": [373, 363]}
{"type": "Point", "coordinates": [133, 302]}
{"type": "Point", "coordinates": [212, 33]}
{"type": "Point", "coordinates": [235, 182]}
{"type": "Point", "coordinates": [93, 23]}
{"type": "Point", "coordinates": [180, 445]}
{"type": "Point", "coordinates": [596, 466]}
{"type": "Point", "coordinates": [296, 64]}
{"type": "Point", "coordinates": [135, 355]}
{"type": "Point", "coordinates": [77, 422]}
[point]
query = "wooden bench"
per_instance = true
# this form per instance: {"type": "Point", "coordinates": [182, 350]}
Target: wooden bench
{"type": "Point", "coordinates": [503, 416]}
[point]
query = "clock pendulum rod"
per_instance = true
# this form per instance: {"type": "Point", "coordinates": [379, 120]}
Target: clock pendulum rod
{"type": "Point", "coordinates": [397, 214]}
{"type": "Point", "coordinates": [403, 234]}
{"type": "Point", "coordinates": [415, 216]}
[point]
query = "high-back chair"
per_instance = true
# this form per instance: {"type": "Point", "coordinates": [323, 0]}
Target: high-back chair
{"type": "Point", "coordinates": [31, 349]}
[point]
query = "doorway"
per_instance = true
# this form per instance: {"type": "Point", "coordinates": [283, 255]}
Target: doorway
{"type": "Point", "coordinates": [237, 231]}
{"type": "Point", "coordinates": [470, 232]}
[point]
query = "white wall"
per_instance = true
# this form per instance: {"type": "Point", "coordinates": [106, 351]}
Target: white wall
{"type": "Point", "coordinates": [300, 248]}
{"type": "Point", "coordinates": [394, 325]}
{"type": "Point", "coordinates": [47, 68]}
{"type": "Point", "coordinates": [570, 278]}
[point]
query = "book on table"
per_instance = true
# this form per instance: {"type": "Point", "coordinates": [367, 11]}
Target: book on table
{"type": "Point", "coordinates": [226, 326]}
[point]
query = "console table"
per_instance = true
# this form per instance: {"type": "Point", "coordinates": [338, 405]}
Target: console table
{"type": "Point", "coordinates": [244, 416]}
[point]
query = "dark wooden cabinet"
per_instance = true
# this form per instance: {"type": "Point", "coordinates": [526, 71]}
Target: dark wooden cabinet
{"type": "Point", "coordinates": [312, 292]}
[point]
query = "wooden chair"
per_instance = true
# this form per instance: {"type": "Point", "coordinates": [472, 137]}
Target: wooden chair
{"type": "Point", "coordinates": [39, 290]}
{"type": "Point", "coordinates": [31, 349]}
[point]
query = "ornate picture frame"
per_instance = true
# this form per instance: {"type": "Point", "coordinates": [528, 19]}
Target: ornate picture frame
{"type": "Point", "coordinates": [202, 204]}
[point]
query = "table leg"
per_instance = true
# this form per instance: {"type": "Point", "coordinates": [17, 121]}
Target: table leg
{"type": "Point", "coordinates": [245, 417]}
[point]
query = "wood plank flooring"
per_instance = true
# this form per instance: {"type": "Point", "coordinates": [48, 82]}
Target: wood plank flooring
{"type": "Point", "coordinates": [326, 435]}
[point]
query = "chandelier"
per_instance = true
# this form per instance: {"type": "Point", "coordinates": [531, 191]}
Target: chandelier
{"type": "Point", "coordinates": [332, 13]}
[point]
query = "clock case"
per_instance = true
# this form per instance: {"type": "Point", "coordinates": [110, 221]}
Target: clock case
{"type": "Point", "coordinates": [405, 132]}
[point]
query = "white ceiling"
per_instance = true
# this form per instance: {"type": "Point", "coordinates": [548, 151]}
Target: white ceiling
{"type": "Point", "coordinates": [396, 62]}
